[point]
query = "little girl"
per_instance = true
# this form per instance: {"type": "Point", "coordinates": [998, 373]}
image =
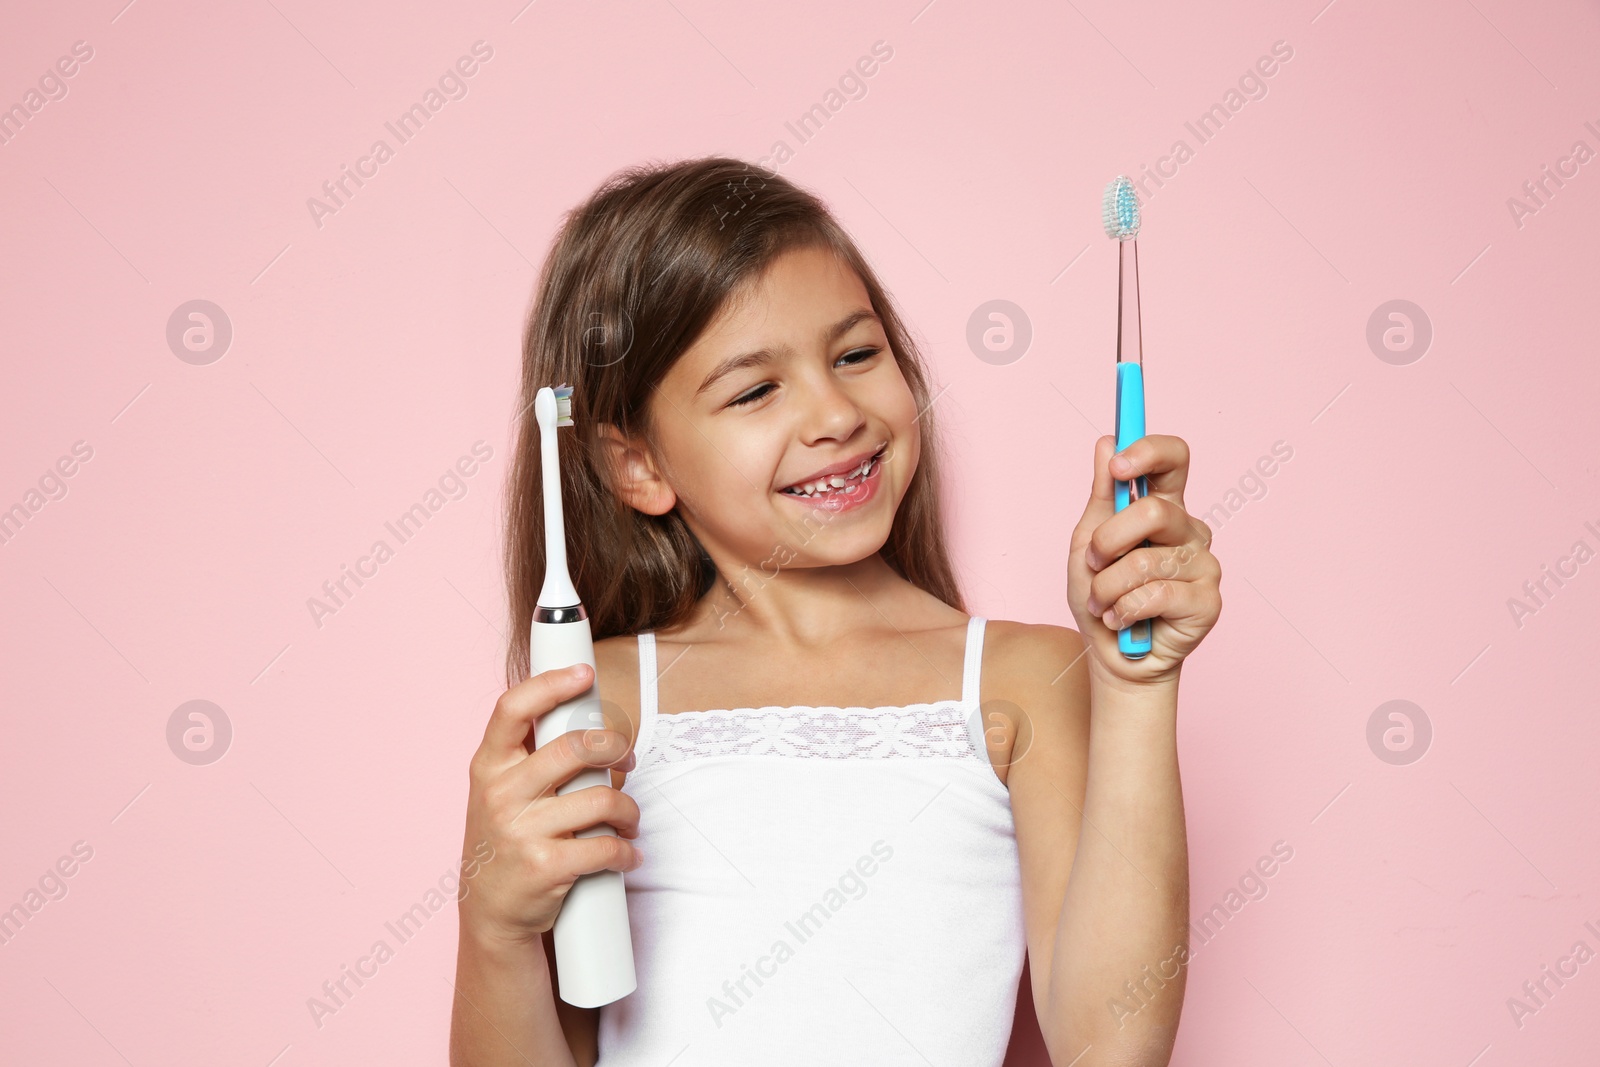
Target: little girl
{"type": "Point", "coordinates": [845, 807]}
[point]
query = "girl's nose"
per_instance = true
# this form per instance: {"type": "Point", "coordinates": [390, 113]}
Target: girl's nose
{"type": "Point", "coordinates": [832, 412]}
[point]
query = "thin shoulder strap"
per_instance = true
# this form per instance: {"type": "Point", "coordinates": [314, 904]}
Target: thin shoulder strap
{"type": "Point", "coordinates": [974, 662]}
{"type": "Point", "coordinates": [647, 694]}
{"type": "Point", "coordinates": [647, 676]}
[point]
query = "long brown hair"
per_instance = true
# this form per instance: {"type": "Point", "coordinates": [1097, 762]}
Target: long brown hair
{"type": "Point", "coordinates": [632, 278]}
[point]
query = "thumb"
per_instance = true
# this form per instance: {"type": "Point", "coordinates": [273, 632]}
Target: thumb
{"type": "Point", "coordinates": [1104, 490]}
{"type": "Point", "coordinates": [1102, 502]}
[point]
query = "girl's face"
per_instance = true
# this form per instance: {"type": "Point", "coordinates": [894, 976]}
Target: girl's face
{"type": "Point", "coordinates": [792, 385]}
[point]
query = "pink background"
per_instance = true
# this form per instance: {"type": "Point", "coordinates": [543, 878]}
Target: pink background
{"type": "Point", "coordinates": [370, 353]}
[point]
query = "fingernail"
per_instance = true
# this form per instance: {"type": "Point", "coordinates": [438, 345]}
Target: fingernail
{"type": "Point", "coordinates": [1120, 464]}
{"type": "Point", "coordinates": [577, 669]}
{"type": "Point", "coordinates": [638, 858]}
{"type": "Point", "coordinates": [1110, 618]}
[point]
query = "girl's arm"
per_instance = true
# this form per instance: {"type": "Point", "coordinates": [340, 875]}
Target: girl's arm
{"type": "Point", "coordinates": [505, 1007]}
{"type": "Point", "coordinates": [1106, 859]}
{"type": "Point", "coordinates": [1098, 809]}
{"type": "Point", "coordinates": [1117, 939]}
{"type": "Point", "coordinates": [521, 855]}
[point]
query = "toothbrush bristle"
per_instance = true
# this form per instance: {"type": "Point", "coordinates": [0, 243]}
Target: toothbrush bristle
{"type": "Point", "coordinates": [563, 405]}
{"type": "Point", "coordinates": [1119, 209]}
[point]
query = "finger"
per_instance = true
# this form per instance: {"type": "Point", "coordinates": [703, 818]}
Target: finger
{"type": "Point", "coordinates": [514, 713]}
{"type": "Point", "coordinates": [583, 808]}
{"type": "Point", "coordinates": [1153, 518]}
{"type": "Point", "coordinates": [546, 770]}
{"type": "Point", "coordinates": [1159, 599]}
{"type": "Point", "coordinates": [585, 855]}
{"type": "Point", "coordinates": [1162, 459]}
{"type": "Point", "coordinates": [1103, 491]}
{"type": "Point", "coordinates": [1156, 563]}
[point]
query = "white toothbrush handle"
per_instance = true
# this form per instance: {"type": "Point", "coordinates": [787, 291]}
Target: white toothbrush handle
{"type": "Point", "coordinates": [594, 946]}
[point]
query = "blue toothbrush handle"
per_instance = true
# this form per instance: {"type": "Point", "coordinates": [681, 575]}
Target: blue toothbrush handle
{"type": "Point", "coordinates": [1132, 640]}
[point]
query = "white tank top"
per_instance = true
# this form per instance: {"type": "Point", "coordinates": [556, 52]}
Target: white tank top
{"type": "Point", "coordinates": [821, 885]}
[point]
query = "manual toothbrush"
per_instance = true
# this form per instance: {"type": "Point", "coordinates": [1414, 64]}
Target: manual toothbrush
{"type": "Point", "coordinates": [1120, 212]}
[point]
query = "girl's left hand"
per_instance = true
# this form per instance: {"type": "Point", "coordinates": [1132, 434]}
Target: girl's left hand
{"type": "Point", "coordinates": [1112, 582]}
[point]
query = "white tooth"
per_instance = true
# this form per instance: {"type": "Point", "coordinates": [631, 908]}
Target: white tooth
{"type": "Point", "coordinates": [836, 481]}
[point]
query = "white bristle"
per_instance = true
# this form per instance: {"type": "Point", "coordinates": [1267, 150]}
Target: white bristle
{"type": "Point", "coordinates": [563, 405]}
{"type": "Point", "coordinates": [1119, 209]}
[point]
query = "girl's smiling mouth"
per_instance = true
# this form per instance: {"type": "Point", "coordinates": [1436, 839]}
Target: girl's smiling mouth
{"type": "Point", "coordinates": [841, 490]}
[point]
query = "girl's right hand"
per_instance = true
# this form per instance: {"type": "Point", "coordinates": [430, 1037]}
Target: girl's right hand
{"type": "Point", "coordinates": [515, 895]}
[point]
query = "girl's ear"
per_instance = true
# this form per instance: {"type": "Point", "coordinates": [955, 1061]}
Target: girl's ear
{"type": "Point", "coordinates": [632, 474]}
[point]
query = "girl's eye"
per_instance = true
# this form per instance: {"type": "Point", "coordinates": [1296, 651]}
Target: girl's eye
{"type": "Point", "coordinates": [752, 396]}
{"type": "Point", "coordinates": [860, 355]}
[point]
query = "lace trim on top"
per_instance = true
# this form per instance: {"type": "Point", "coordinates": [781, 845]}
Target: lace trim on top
{"type": "Point", "coordinates": [828, 733]}
{"type": "Point", "coordinates": [946, 728]}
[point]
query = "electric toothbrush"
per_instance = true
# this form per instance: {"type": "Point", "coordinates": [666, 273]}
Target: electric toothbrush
{"type": "Point", "coordinates": [1120, 212]}
{"type": "Point", "coordinates": [594, 946]}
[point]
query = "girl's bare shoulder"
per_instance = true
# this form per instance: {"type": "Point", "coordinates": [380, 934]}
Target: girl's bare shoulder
{"type": "Point", "coordinates": [1021, 656]}
{"type": "Point", "coordinates": [1034, 700]}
